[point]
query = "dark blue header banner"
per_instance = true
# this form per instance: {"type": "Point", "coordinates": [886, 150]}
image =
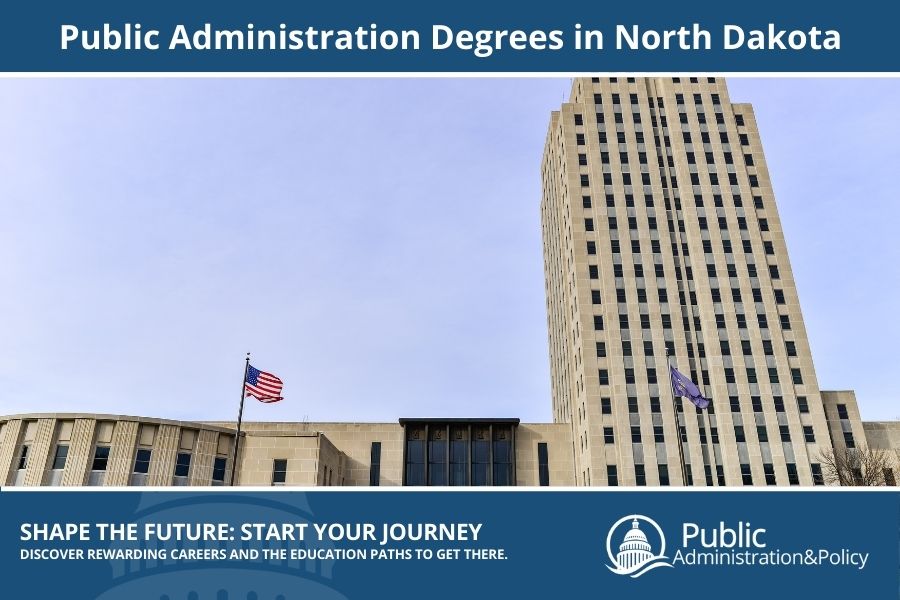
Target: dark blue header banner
{"type": "Point", "coordinates": [230, 545]}
{"type": "Point", "coordinates": [465, 36]}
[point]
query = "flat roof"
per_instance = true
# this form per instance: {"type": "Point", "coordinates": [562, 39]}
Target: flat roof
{"type": "Point", "coordinates": [457, 420]}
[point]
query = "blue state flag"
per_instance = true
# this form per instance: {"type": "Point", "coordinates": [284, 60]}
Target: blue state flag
{"type": "Point", "coordinates": [683, 386]}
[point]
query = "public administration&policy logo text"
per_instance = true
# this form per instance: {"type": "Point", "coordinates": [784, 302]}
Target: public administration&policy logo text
{"type": "Point", "coordinates": [740, 545]}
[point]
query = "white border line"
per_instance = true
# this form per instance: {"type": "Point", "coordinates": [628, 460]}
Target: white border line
{"type": "Point", "coordinates": [432, 74]}
{"type": "Point", "coordinates": [459, 490]}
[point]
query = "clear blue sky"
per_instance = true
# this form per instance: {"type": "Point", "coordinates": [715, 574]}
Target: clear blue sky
{"type": "Point", "coordinates": [376, 243]}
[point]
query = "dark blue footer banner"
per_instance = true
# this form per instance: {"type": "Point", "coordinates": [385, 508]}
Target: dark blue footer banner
{"type": "Point", "coordinates": [260, 545]}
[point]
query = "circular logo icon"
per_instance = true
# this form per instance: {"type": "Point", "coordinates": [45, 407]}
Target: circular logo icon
{"type": "Point", "coordinates": [636, 554]}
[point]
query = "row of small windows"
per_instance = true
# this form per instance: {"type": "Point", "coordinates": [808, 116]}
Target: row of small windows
{"type": "Point", "coordinates": [102, 451]}
{"type": "Point", "coordinates": [705, 138]}
{"type": "Point", "coordinates": [612, 475]}
{"type": "Point", "coordinates": [587, 201]}
{"type": "Point", "coordinates": [662, 294]}
{"type": "Point", "coordinates": [724, 347]}
{"type": "Point", "coordinates": [613, 224]}
{"type": "Point", "coordinates": [646, 180]}
{"type": "Point", "coordinates": [666, 320]}
{"type": "Point", "coordinates": [674, 79]}
{"type": "Point", "coordinates": [756, 403]}
{"type": "Point", "coordinates": [618, 269]}
{"type": "Point", "coordinates": [662, 121]}
{"type": "Point", "coordinates": [783, 432]}
{"type": "Point", "coordinates": [141, 466]}
{"type": "Point", "coordinates": [629, 376]}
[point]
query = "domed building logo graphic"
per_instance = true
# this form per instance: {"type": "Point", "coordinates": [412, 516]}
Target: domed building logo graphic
{"type": "Point", "coordinates": [635, 556]}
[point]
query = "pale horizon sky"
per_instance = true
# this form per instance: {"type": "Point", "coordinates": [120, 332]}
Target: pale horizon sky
{"type": "Point", "coordinates": [374, 242]}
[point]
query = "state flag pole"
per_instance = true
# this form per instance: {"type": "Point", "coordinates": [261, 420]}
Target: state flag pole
{"type": "Point", "coordinates": [237, 438]}
{"type": "Point", "coordinates": [677, 426]}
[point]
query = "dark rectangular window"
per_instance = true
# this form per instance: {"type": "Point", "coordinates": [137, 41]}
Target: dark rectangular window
{"type": "Point", "coordinates": [809, 435]}
{"type": "Point", "coordinates": [279, 471]}
{"type": "Point", "coordinates": [608, 436]}
{"type": "Point", "coordinates": [769, 470]}
{"type": "Point", "coordinates": [415, 459]}
{"type": "Point", "coordinates": [59, 459]}
{"type": "Point", "coordinates": [658, 435]}
{"type": "Point", "coordinates": [182, 464]}
{"type": "Point", "coordinates": [437, 457]}
{"type": "Point", "coordinates": [746, 474]}
{"type": "Point", "coordinates": [612, 476]}
{"type": "Point", "coordinates": [543, 465]}
{"type": "Point", "coordinates": [603, 376]}
{"type": "Point", "coordinates": [502, 459]}
{"type": "Point", "coordinates": [785, 433]}
{"type": "Point", "coordinates": [375, 464]}
{"type": "Point", "coordinates": [459, 457]}
{"type": "Point", "coordinates": [802, 404]}
{"type": "Point", "coordinates": [817, 477]}
{"type": "Point", "coordinates": [848, 439]}
{"type": "Point", "coordinates": [23, 457]}
{"type": "Point", "coordinates": [218, 474]}
{"type": "Point", "coordinates": [101, 458]}
{"type": "Point", "coordinates": [481, 461]}
{"type": "Point", "coordinates": [605, 406]}
{"type": "Point", "coordinates": [142, 460]}
{"type": "Point", "coordinates": [751, 375]}
{"type": "Point", "coordinates": [635, 434]}
{"type": "Point", "coordinates": [793, 478]}
{"type": "Point", "coordinates": [640, 475]}
{"type": "Point", "coordinates": [663, 474]}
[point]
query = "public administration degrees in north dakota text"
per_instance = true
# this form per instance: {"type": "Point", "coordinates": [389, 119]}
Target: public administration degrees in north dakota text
{"type": "Point", "coordinates": [482, 43]}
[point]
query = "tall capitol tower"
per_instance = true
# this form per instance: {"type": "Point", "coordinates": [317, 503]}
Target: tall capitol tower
{"type": "Point", "coordinates": [660, 231]}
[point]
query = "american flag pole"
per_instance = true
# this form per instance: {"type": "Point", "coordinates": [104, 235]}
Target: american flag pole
{"type": "Point", "coordinates": [237, 437]}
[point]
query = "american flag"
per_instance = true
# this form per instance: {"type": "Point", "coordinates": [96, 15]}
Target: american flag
{"type": "Point", "coordinates": [263, 386]}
